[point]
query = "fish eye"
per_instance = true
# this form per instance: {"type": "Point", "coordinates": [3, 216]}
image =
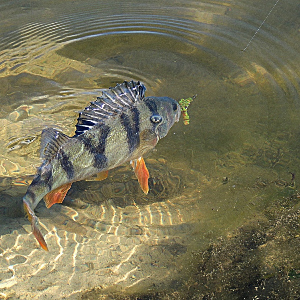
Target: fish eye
{"type": "Point", "coordinates": [156, 119]}
{"type": "Point", "coordinates": [175, 106]}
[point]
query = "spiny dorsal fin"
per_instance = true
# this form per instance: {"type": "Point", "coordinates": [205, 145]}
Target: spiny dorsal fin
{"type": "Point", "coordinates": [111, 103]}
{"type": "Point", "coordinates": [51, 141]}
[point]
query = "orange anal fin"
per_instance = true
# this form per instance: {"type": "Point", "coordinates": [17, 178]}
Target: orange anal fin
{"type": "Point", "coordinates": [33, 220]}
{"type": "Point", "coordinates": [141, 173]}
{"type": "Point", "coordinates": [58, 195]}
{"type": "Point", "coordinates": [101, 176]}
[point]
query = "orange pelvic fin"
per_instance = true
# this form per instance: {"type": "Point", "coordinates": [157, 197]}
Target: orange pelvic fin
{"type": "Point", "coordinates": [101, 176]}
{"type": "Point", "coordinates": [58, 195]}
{"type": "Point", "coordinates": [33, 220]}
{"type": "Point", "coordinates": [141, 173]}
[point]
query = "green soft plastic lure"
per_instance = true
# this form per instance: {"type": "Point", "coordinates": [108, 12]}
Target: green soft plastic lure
{"type": "Point", "coordinates": [184, 104]}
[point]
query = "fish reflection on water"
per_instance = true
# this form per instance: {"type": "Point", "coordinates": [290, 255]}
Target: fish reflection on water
{"type": "Point", "coordinates": [121, 125]}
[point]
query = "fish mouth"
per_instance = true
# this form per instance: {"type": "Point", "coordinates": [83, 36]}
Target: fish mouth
{"type": "Point", "coordinates": [177, 117]}
{"type": "Point", "coordinates": [171, 118]}
{"type": "Point", "coordinates": [174, 115]}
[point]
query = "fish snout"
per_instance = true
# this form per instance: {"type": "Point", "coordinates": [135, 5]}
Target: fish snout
{"type": "Point", "coordinates": [178, 114]}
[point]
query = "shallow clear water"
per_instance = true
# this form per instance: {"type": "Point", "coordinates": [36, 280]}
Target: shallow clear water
{"type": "Point", "coordinates": [221, 220]}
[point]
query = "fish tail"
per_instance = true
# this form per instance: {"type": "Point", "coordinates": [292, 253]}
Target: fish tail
{"type": "Point", "coordinates": [34, 221]}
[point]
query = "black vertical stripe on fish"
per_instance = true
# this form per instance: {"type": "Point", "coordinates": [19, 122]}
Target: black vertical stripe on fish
{"type": "Point", "coordinates": [43, 177]}
{"type": "Point", "coordinates": [105, 130]}
{"type": "Point", "coordinates": [66, 164]}
{"type": "Point", "coordinates": [100, 160]}
{"type": "Point", "coordinates": [47, 176]}
{"type": "Point", "coordinates": [132, 130]}
{"type": "Point", "coordinates": [151, 105]}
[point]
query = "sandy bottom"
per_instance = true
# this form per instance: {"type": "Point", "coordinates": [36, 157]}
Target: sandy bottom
{"type": "Point", "coordinates": [106, 245]}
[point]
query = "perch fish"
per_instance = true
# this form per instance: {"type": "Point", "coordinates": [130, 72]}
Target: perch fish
{"type": "Point", "coordinates": [121, 125]}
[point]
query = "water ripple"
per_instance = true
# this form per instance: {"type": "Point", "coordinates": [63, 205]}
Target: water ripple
{"type": "Point", "coordinates": [215, 34]}
{"type": "Point", "coordinates": [55, 59]}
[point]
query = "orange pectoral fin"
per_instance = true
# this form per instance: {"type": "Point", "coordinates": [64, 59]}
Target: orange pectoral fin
{"type": "Point", "coordinates": [141, 173]}
{"type": "Point", "coordinates": [57, 196]}
{"type": "Point", "coordinates": [33, 220]}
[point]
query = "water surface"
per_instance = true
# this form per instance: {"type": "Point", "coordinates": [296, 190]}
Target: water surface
{"type": "Point", "coordinates": [221, 220]}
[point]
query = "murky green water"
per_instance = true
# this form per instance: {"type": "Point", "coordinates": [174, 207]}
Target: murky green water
{"type": "Point", "coordinates": [221, 220]}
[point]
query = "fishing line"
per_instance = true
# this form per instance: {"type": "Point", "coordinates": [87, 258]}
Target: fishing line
{"type": "Point", "coordinates": [260, 26]}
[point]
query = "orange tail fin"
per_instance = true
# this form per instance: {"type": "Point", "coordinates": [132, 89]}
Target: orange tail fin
{"type": "Point", "coordinates": [141, 173]}
{"type": "Point", "coordinates": [33, 220]}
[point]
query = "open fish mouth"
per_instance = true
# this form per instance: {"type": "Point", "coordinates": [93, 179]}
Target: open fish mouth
{"type": "Point", "coordinates": [177, 117]}
{"type": "Point", "coordinates": [173, 115]}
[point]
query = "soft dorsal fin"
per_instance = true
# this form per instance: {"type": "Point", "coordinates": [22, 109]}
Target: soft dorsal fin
{"type": "Point", "coordinates": [51, 141]}
{"type": "Point", "coordinates": [112, 102]}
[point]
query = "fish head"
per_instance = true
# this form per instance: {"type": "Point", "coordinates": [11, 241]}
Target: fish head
{"type": "Point", "coordinates": [129, 124]}
{"type": "Point", "coordinates": [164, 112]}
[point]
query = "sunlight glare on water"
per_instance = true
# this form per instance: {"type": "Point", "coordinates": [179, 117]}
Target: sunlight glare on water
{"type": "Point", "coordinates": [223, 190]}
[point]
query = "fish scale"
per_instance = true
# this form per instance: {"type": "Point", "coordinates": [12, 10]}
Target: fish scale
{"type": "Point", "coordinates": [121, 125]}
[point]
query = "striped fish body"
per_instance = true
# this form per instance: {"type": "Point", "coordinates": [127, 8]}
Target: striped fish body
{"type": "Point", "coordinates": [121, 125]}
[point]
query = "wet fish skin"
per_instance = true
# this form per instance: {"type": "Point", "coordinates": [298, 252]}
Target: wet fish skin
{"type": "Point", "coordinates": [121, 125]}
